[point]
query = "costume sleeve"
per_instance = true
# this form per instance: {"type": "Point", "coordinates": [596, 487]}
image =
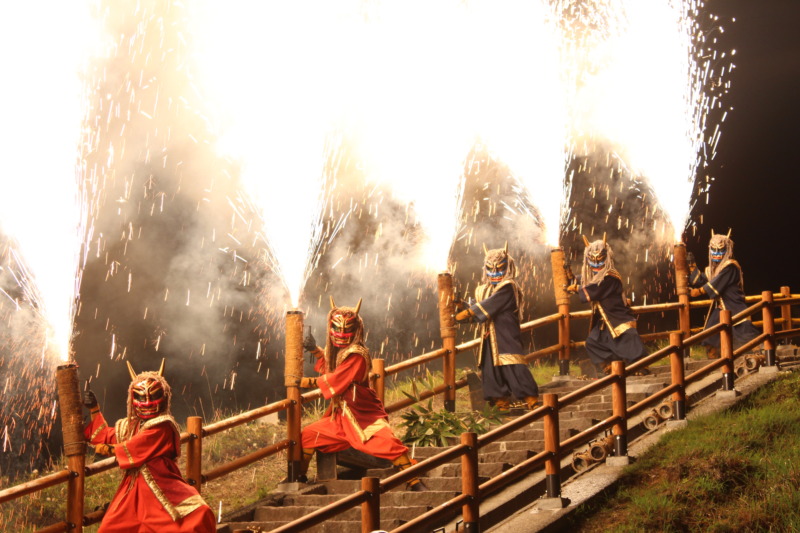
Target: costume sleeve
{"type": "Point", "coordinates": [720, 283]}
{"type": "Point", "coordinates": [593, 292]}
{"type": "Point", "coordinates": [697, 278]}
{"type": "Point", "coordinates": [336, 382]}
{"type": "Point", "coordinates": [319, 365]}
{"type": "Point", "coordinates": [98, 431]}
{"type": "Point", "coordinates": [145, 445]}
{"type": "Point", "coordinates": [503, 299]}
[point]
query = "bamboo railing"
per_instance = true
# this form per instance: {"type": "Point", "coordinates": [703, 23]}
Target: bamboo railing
{"type": "Point", "coordinates": [369, 496]}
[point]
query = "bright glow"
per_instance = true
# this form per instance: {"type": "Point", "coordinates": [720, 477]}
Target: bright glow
{"type": "Point", "coordinates": [276, 74]}
{"type": "Point", "coordinates": [41, 105]}
{"type": "Point", "coordinates": [644, 92]}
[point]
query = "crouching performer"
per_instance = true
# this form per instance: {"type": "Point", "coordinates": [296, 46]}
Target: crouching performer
{"type": "Point", "coordinates": [504, 371]}
{"type": "Point", "coordinates": [612, 329]}
{"type": "Point", "coordinates": [355, 417]}
{"type": "Point", "coordinates": [153, 496]}
{"type": "Point", "coordinates": [723, 283]}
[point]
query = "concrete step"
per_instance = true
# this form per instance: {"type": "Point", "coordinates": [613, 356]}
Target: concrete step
{"type": "Point", "coordinates": [328, 526]}
{"type": "Point", "coordinates": [293, 512]}
{"type": "Point", "coordinates": [400, 498]}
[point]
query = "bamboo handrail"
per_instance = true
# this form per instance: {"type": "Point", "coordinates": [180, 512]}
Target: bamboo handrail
{"type": "Point", "coordinates": [778, 299]}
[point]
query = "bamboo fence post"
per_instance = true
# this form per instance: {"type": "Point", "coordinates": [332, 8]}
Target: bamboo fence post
{"type": "Point", "coordinates": [470, 511]}
{"type": "Point", "coordinates": [371, 509]}
{"type": "Point", "coordinates": [619, 404]}
{"type": "Point", "coordinates": [292, 376]}
{"type": "Point", "coordinates": [447, 328]}
{"type": "Point", "coordinates": [552, 444]}
{"type": "Point", "coordinates": [769, 328]}
{"type": "Point", "coordinates": [194, 451]}
{"type": "Point", "coordinates": [557, 263]}
{"type": "Point", "coordinates": [786, 310]}
{"type": "Point", "coordinates": [379, 371]}
{"type": "Point", "coordinates": [676, 358]}
{"type": "Point", "coordinates": [726, 349]}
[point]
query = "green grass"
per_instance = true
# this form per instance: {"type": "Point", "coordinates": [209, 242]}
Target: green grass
{"type": "Point", "coordinates": [738, 470]}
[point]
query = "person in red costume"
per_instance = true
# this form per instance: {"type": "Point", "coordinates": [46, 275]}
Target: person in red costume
{"type": "Point", "coordinates": [355, 417]}
{"type": "Point", "coordinates": [153, 496]}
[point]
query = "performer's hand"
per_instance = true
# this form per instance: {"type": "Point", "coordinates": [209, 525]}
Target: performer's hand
{"type": "Point", "coordinates": [690, 261]}
{"type": "Point", "coordinates": [694, 293]}
{"type": "Point", "coordinates": [464, 316]}
{"type": "Point", "coordinates": [572, 289]}
{"type": "Point", "coordinates": [310, 343]}
{"type": "Point", "coordinates": [104, 449]}
{"type": "Point", "coordinates": [89, 399]}
{"type": "Point", "coordinates": [308, 383]}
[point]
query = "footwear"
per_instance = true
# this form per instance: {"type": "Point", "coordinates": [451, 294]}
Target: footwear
{"type": "Point", "coordinates": [502, 405]}
{"type": "Point", "coordinates": [712, 353]}
{"type": "Point", "coordinates": [532, 402]}
{"type": "Point", "coordinates": [403, 462]}
{"type": "Point", "coordinates": [642, 372]}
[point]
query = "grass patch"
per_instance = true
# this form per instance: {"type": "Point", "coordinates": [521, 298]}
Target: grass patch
{"type": "Point", "coordinates": [738, 470]}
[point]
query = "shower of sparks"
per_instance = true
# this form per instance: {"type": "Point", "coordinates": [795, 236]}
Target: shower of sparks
{"type": "Point", "coordinates": [42, 110]}
{"type": "Point", "coordinates": [645, 71]}
{"type": "Point", "coordinates": [276, 71]}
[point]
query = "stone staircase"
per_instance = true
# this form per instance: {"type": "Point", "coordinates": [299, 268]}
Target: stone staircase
{"type": "Point", "coordinates": [399, 506]}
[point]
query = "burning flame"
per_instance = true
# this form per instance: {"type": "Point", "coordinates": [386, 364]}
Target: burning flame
{"type": "Point", "coordinates": [42, 106]}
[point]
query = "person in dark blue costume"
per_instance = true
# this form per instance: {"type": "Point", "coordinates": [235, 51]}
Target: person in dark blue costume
{"type": "Point", "coordinates": [612, 330]}
{"type": "Point", "coordinates": [723, 283]}
{"type": "Point", "coordinates": [498, 310]}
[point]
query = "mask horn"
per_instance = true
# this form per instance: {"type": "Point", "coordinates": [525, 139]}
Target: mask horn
{"type": "Point", "coordinates": [505, 247]}
{"type": "Point", "coordinates": [485, 249]}
{"type": "Point", "coordinates": [358, 305]}
{"type": "Point", "coordinates": [333, 304]}
{"type": "Point", "coordinates": [712, 233]}
{"type": "Point", "coordinates": [131, 371]}
{"type": "Point", "coordinates": [729, 233]}
{"type": "Point", "coordinates": [161, 369]}
{"type": "Point", "coordinates": [585, 240]}
{"type": "Point", "coordinates": [604, 239]}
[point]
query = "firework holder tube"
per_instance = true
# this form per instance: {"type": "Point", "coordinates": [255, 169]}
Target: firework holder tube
{"type": "Point", "coordinates": [292, 376]}
{"type": "Point", "coordinates": [70, 407]}
{"type": "Point", "coordinates": [557, 263]}
{"type": "Point", "coordinates": [682, 287]}
{"type": "Point", "coordinates": [447, 328]}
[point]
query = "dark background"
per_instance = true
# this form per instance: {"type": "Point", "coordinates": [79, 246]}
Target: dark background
{"type": "Point", "coordinates": [756, 189]}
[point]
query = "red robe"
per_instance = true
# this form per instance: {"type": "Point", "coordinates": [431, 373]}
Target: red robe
{"type": "Point", "coordinates": [356, 417]}
{"type": "Point", "coordinates": [153, 496]}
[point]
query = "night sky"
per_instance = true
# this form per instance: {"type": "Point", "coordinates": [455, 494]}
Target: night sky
{"type": "Point", "coordinates": [756, 188]}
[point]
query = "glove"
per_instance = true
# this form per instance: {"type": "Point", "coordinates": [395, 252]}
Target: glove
{"type": "Point", "coordinates": [690, 261]}
{"type": "Point", "coordinates": [308, 383]}
{"type": "Point", "coordinates": [310, 343]}
{"type": "Point", "coordinates": [694, 293]}
{"type": "Point", "coordinates": [89, 400]}
{"type": "Point", "coordinates": [464, 316]}
{"type": "Point", "coordinates": [104, 449]}
{"type": "Point", "coordinates": [572, 289]}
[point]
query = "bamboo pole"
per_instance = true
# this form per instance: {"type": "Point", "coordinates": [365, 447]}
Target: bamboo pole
{"type": "Point", "coordinates": [682, 287]}
{"type": "Point", "coordinates": [557, 263]}
{"type": "Point", "coordinates": [769, 328]}
{"type": "Point", "coordinates": [292, 377]}
{"type": "Point", "coordinates": [447, 328]}
{"type": "Point", "coordinates": [726, 349]}
{"type": "Point", "coordinates": [786, 310]}
{"type": "Point", "coordinates": [69, 401]}
{"type": "Point", "coordinates": [552, 465]}
{"type": "Point", "coordinates": [470, 511]}
{"type": "Point", "coordinates": [379, 374]}
{"type": "Point", "coordinates": [677, 373]}
{"type": "Point", "coordinates": [371, 508]}
{"type": "Point", "coordinates": [194, 451]}
{"type": "Point", "coordinates": [619, 404]}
